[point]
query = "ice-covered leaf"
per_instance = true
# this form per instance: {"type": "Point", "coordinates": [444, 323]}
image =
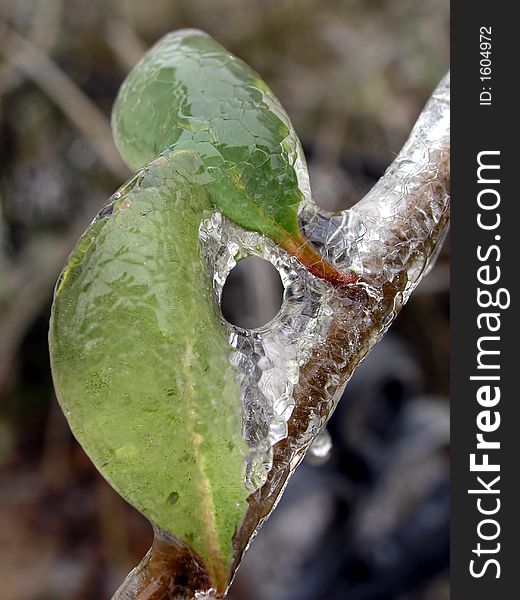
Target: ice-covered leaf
{"type": "Point", "coordinates": [140, 362]}
{"type": "Point", "coordinates": [190, 93]}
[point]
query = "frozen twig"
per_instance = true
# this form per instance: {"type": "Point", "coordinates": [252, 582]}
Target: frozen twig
{"type": "Point", "coordinates": [393, 236]}
{"type": "Point", "coordinates": [389, 239]}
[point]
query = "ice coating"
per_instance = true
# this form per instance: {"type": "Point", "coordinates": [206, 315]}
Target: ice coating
{"type": "Point", "coordinates": [293, 370]}
{"type": "Point", "coordinates": [189, 93]}
{"type": "Point", "coordinates": [388, 239]}
{"type": "Point", "coordinates": [267, 359]}
{"type": "Point", "coordinates": [140, 363]}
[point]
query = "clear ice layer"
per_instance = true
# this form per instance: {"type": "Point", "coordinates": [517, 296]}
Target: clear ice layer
{"type": "Point", "coordinates": [267, 359]}
{"type": "Point", "coordinates": [293, 370]}
{"type": "Point", "coordinates": [389, 239]}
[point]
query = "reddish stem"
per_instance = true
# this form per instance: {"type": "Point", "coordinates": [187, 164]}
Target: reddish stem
{"type": "Point", "coordinates": [315, 263]}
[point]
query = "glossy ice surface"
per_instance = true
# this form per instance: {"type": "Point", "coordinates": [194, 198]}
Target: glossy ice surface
{"type": "Point", "coordinates": [196, 422]}
{"type": "Point", "coordinates": [140, 362]}
{"type": "Point", "coordinates": [191, 94]}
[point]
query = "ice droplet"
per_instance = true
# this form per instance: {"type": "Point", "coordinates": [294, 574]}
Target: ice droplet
{"type": "Point", "coordinates": [320, 449]}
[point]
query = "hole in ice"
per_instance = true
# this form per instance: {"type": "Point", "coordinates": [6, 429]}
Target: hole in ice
{"type": "Point", "coordinates": [252, 294]}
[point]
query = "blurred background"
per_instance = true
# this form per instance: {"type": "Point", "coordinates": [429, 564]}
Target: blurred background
{"type": "Point", "coordinates": [372, 523]}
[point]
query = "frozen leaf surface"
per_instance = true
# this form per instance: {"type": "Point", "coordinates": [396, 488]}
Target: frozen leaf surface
{"type": "Point", "coordinates": [140, 362]}
{"type": "Point", "coordinates": [189, 92]}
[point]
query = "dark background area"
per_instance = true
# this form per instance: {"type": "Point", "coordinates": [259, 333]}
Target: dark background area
{"type": "Point", "coordinates": [373, 522]}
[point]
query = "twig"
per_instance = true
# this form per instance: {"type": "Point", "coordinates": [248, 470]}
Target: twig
{"type": "Point", "coordinates": [125, 43]}
{"type": "Point", "coordinates": [45, 25]}
{"type": "Point", "coordinates": [80, 111]}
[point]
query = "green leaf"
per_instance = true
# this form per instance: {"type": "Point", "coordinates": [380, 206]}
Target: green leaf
{"type": "Point", "coordinates": [140, 362]}
{"type": "Point", "coordinates": [190, 93]}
